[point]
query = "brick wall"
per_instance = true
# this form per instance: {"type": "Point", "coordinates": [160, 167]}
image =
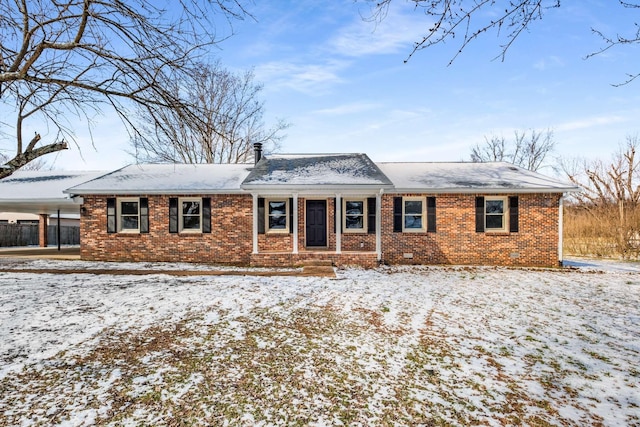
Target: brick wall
{"type": "Point", "coordinates": [230, 240]}
{"type": "Point", "coordinates": [456, 241]}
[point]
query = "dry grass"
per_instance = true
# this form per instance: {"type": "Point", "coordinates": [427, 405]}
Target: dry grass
{"type": "Point", "coordinates": [598, 233]}
{"type": "Point", "coordinates": [407, 347]}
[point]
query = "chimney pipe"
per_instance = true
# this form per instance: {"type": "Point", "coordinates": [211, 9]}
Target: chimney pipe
{"type": "Point", "coordinates": [257, 152]}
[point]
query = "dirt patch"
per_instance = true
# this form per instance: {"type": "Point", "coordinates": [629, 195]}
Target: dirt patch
{"type": "Point", "coordinates": [317, 271]}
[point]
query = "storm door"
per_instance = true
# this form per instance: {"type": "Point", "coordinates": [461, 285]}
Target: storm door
{"type": "Point", "coordinates": [316, 223]}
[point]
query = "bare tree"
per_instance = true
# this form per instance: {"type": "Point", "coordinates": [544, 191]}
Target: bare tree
{"type": "Point", "coordinates": [611, 187]}
{"type": "Point", "coordinates": [60, 59]}
{"type": "Point", "coordinates": [223, 120]}
{"type": "Point", "coordinates": [617, 181]}
{"type": "Point", "coordinates": [527, 150]}
{"type": "Point", "coordinates": [464, 21]}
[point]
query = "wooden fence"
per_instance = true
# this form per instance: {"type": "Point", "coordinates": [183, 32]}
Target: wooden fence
{"type": "Point", "coordinates": [27, 235]}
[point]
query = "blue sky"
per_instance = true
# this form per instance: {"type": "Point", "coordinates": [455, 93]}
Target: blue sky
{"type": "Point", "coordinates": [342, 84]}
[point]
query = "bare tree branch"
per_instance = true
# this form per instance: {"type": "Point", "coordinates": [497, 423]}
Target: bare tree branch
{"type": "Point", "coordinates": [218, 121]}
{"type": "Point", "coordinates": [526, 150]}
{"type": "Point", "coordinates": [612, 187]}
{"type": "Point", "coordinates": [465, 21]}
{"type": "Point", "coordinates": [72, 57]}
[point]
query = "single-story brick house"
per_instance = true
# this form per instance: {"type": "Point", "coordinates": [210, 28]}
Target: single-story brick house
{"type": "Point", "coordinates": [343, 208]}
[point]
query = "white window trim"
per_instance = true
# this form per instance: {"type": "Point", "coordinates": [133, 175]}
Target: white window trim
{"type": "Point", "coordinates": [424, 214]}
{"type": "Point", "coordinates": [364, 215]}
{"type": "Point", "coordinates": [286, 214]}
{"type": "Point", "coordinates": [181, 228]}
{"type": "Point", "coordinates": [505, 214]}
{"type": "Point", "coordinates": [119, 202]}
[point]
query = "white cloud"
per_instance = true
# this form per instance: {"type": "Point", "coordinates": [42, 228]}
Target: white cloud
{"type": "Point", "coordinates": [590, 122]}
{"type": "Point", "coordinates": [550, 62]}
{"type": "Point", "coordinates": [395, 33]}
{"type": "Point", "coordinates": [351, 108]}
{"type": "Point", "coordinates": [306, 78]}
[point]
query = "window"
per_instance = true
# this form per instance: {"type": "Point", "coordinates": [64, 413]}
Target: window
{"type": "Point", "coordinates": [128, 215]}
{"type": "Point", "coordinates": [497, 214]}
{"type": "Point", "coordinates": [413, 214]}
{"type": "Point", "coordinates": [277, 216]}
{"type": "Point", "coordinates": [354, 215]}
{"type": "Point", "coordinates": [191, 215]}
{"type": "Point", "coordinates": [495, 210]}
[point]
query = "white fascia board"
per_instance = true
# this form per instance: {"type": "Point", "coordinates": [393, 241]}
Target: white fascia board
{"type": "Point", "coordinates": [483, 190]}
{"type": "Point", "coordinates": [39, 206]}
{"type": "Point", "coordinates": [150, 192]}
{"type": "Point", "coordinates": [56, 201]}
{"type": "Point", "coordinates": [316, 189]}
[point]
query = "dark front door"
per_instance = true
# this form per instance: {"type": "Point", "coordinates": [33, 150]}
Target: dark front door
{"type": "Point", "coordinates": [316, 223]}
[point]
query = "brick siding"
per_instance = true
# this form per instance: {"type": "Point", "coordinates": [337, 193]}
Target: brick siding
{"type": "Point", "coordinates": [230, 241]}
{"type": "Point", "coordinates": [456, 241]}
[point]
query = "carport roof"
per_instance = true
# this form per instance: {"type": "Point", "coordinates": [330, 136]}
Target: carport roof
{"type": "Point", "coordinates": [41, 192]}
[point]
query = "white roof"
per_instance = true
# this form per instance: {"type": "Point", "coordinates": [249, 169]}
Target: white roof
{"type": "Point", "coordinates": [42, 192]}
{"type": "Point", "coordinates": [46, 192]}
{"type": "Point", "coordinates": [167, 179]}
{"type": "Point", "coordinates": [467, 177]}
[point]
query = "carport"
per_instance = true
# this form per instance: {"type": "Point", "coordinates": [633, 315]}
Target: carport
{"type": "Point", "coordinates": [41, 193]}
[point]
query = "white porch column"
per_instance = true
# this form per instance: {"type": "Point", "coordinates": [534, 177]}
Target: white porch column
{"type": "Point", "coordinates": [295, 222]}
{"type": "Point", "coordinates": [255, 223]}
{"type": "Point", "coordinates": [379, 226]}
{"type": "Point", "coordinates": [560, 228]}
{"type": "Point", "coordinates": [338, 221]}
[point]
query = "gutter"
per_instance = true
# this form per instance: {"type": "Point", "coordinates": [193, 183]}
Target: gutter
{"type": "Point", "coordinates": [483, 190]}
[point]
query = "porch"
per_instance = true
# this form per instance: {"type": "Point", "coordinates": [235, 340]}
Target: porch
{"type": "Point", "coordinates": [336, 229]}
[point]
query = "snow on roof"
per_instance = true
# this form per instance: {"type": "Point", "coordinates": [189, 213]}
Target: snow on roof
{"type": "Point", "coordinates": [41, 192]}
{"type": "Point", "coordinates": [167, 179]}
{"type": "Point", "coordinates": [315, 170]}
{"type": "Point", "coordinates": [460, 177]}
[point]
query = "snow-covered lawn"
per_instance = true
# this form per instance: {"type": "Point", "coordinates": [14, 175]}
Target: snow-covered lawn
{"type": "Point", "coordinates": [393, 346]}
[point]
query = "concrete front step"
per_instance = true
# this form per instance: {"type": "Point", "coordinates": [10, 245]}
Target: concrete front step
{"type": "Point", "coordinates": [317, 262]}
{"type": "Point", "coordinates": [319, 271]}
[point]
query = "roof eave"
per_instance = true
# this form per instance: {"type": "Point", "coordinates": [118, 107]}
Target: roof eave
{"type": "Point", "coordinates": [480, 190]}
{"type": "Point", "coordinates": [315, 188]}
{"type": "Point", "coordinates": [155, 192]}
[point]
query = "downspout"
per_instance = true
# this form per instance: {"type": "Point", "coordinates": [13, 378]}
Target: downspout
{"type": "Point", "coordinates": [560, 228]}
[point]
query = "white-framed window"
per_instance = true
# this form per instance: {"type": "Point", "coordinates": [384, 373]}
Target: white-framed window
{"type": "Point", "coordinates": [354, 215]}
{"type": "Point", "coordinates": [128, 213]}
{"type": "Point", "coordinates": [277, 215]}
{"type": "Point", "coordinates": [413, 214]}
{"type": "Point", "coordinates": [495, 213]}
{"type": "Point", "coordinates": [190, 215]}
